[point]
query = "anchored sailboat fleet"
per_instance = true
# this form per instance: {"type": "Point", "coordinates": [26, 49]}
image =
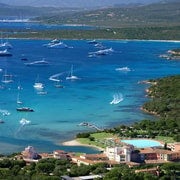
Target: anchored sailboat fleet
{"type": "Point", "coordinates": [4, 46]}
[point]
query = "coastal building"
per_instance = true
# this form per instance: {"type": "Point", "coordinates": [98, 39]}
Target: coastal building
{"type": "Point", "coordinates": [90, 177]}
{"type": "Point", "coordinates": [149, 154]}
{"type": "Point", "coordinates": [119, 154]}
{"type": "Point", "coordinates": [89, 159]}
{"type": "Point", "coordinates": [174, 146]}
{"type": "Point", "coordinates": [155, 171]}
{"type": "Point", "coordinates": [30, 153]}
{"type": "Point", "coordinates": [59, 154]}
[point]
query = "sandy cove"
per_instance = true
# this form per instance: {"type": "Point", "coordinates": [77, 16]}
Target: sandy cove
{"type": "Point", "coordinates": [74, 142]}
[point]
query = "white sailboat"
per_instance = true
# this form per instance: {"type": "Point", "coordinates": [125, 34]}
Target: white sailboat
{"type": "Point", "coordinates": [5, 45]}
{"type": "Point", "coordinates": [71, 76]}
{"type": "Point", "coordinates": [7, 78]}
{"type": "Point", "coordinates": [18, 100]}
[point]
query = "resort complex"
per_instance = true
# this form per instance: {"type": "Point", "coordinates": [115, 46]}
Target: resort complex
{"type": "Point", "coordinates": [90, 90]}
{"type": "Point", "coordinates": [112, 156]}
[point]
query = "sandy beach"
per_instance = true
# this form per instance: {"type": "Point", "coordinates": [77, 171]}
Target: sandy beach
{"type": "Point", "coordinates": [74, 142]}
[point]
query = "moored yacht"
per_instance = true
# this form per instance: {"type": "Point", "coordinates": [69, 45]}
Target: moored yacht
{"type": "Point", "coordinates": [38, 63]}
{"type": "Point", "coordinates": [25, 109]}
{"type": "Point", "coordinates": [5, 53]}
{"type": "Point", "coordinates": [6, 45]}
{"type": "Point", "coordinates": [38, 86]}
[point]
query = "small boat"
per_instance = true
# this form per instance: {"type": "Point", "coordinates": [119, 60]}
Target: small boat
{"type": "Point", "coordinates": [23, 58]}
{"type": "Point", "coordinates": [6, 45]}
{"type": "Point", "coordinates": [38, 86]}
{"type": "Point", "coordinates": [5, 53]}
{"type": "Point", "coordinates": [1, 121]}
{"type": "Point", "coordinates": [37, 63]}
{"type": "Point", "coordinates": [71, 76]}
{"type": "Point", "coordinates": [55, 43]}
{"type": "Point", "coordinates": [25, 109]}
{"type": "Point", "coordinates": [58, 45]}
{"type": "Point", "coordinates": [18, 100]}
{"type": "Point", "coordinates": [57, 85]}
{"type": "Point", "coordinates": [92, 42]}
{"type": "Point", "coordinates": [7, 78]}
{"type": "Point", "coordinates": [125, 69]}
{"type": "Point", "coordinates": [101, 52]}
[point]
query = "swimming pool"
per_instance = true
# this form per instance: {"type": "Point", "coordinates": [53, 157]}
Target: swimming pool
{"type": "Point", "coordinates": [142, 143]}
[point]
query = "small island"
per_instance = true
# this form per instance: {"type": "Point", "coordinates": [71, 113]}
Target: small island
{"type": "Point", "coordinates": [173, 54]}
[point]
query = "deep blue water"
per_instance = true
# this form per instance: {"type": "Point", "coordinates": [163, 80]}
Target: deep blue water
{"type": "Point", "coordinates": [58, 113]}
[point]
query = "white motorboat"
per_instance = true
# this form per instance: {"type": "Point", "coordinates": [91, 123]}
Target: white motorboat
{"type": "Point", "coordinates": [38, 63]}
{"type": "Point", "coordinates": [5, 53]}
{"type": "Point", "coordinates": [38, 86]}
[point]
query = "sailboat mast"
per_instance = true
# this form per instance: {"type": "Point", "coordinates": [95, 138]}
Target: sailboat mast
{"type": "Point", "coordinates": [71, 70]}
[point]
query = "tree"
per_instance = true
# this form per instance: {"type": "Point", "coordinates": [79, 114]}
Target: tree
{"type": "Point", "coordinates": [15, 170]}
{"type": "Point", "coordinates": [114, 174]}
{"type": "Point", "coordinates": [45, 168]}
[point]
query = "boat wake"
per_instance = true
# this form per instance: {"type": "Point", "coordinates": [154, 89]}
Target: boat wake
{"type": "Point", "coordinates": [24, 122]}
{"type": "Point", "coordinates": [117, 98]}
{"type": "Point", "coordinates": [4, 112]}
{"type": "Point", "coordinates": [55, 77]}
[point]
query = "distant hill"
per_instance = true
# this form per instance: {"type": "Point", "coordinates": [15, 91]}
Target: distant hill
{"type": "Point", "coordinates": [74, 3]}
{"type": "Point", "coordinates": [28, 11]}
{"type": "Point", "coordinates": [165, 13]}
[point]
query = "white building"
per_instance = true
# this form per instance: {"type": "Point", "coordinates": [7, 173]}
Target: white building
{"type": "Point", "coordinates": [119, 154]}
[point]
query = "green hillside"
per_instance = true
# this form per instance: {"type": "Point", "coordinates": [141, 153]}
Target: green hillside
{"type": "Point", "coordinates": [28, 11]}
{"type": "Point", "coordinates": [155, 14]}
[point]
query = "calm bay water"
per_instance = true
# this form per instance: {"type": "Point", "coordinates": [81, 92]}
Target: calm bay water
{"type": "Point", "coordinates": [58, 113]}
{"type": "Point", "coordinates": [38, 26]}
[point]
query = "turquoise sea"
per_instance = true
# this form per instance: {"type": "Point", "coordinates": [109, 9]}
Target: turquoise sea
{"type": "Point", "coordinates": [102, 79]}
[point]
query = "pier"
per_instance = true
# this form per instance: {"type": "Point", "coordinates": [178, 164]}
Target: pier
{"type": "Point", "coordinates": [87, 124]}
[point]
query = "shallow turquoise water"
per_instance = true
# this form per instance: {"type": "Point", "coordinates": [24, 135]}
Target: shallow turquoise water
{"type": "Point", "coordinates": [58, 113]}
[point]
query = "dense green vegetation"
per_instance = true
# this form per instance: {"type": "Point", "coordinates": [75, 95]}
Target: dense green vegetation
{"type": "Point", "coordinates": [53, 169]}
{"type": "Point", "coordinates": [159, 21]}
{"type": "Point", "coordinates": [148, 33]}
{"type": "Point", "coordinates": [21, 12]}
{"type": "Point", "coordinates": [164, 102]}
{"type": "Point", "coordinates": [158, 14]}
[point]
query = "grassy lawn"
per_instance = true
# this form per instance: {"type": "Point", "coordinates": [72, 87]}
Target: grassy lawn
{"type": "Point", "coordinates": [100, 139]}
{"type": "Point", "coordinates": [165, 139]}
